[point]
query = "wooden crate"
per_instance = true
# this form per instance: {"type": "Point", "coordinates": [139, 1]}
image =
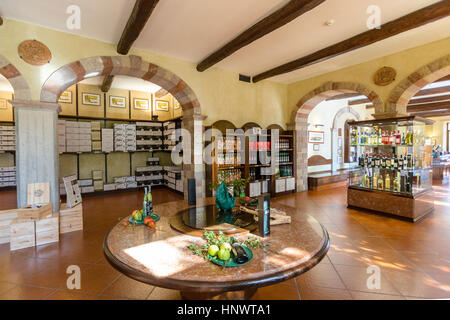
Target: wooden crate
{"type": "Point", "coordinates": [38, 193]}
{"type": "Point", "coordinates": [6, 218]}
{"type": "Point", "coordinates": [22, 234]}
{"type": "Point", "coordinates": [70, 219]}
{"type": "Point", "coordinates": [47, 230]}
{"type": "Point", "coordinates": [30, 213]}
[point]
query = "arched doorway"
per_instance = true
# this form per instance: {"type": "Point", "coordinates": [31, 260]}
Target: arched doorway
{"type": "Point", "coordinates": [308, 103]}
{"type": "Point", "coordinates": [134, 66]}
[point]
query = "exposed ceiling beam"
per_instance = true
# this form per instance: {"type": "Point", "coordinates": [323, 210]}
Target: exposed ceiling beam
{"type": "Point", "coordinates": [1, 21]}
{"type": "Point", "coordinates": [107, 82]}
{"type": "Point", "coordinates": [429, 100]}
{"type": "Point", "coordinates": [446, 78]}
{"type": "Point", "coordinates": [413, 20]}
{"type": "Point", "coordinates": [139, 16]}
{"type": "Point", "coordinates": [427, 92]}
{"type": "Point", "coordinates": [161, 93]}
{"type": "Point", "coordinates": [432, 114]}
{"type": "Point", "coordinates": [428, 106]}
{"type": "Point", "coordinates": [279, 18]}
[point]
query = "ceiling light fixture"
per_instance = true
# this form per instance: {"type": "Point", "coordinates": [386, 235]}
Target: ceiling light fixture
{"type": "Point", "coordinates": [329, 23]}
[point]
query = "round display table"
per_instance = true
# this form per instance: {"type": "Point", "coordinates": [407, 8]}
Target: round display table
{"type": "Point", "coordinates": [161, 257]}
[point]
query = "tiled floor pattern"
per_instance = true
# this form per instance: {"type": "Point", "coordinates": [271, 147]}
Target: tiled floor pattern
{"type": "Point", "coordinates": [414, 259]}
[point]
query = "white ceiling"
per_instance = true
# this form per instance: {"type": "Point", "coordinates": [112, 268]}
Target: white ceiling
{"type": "Point", "coordinates": [126, 83]}
{"type": "Point", "coordinates": [191, 30]}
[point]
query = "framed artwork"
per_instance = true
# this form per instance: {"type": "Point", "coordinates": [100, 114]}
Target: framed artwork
{"type": "Point", "coordinates": [140, 104]}
{"type": "Point", "coordinates": [316, 147]}
{"type": "Point", "coordinates": [91, 99]}
{"type": "Point", "coordinates": [161, 105]}
{"type": "Point", "coordinates": [316, 137]}
{"type": "Point", "coordinates": [66, 97]}
{"type": "Point", "coordinates": [176, 104]}
{"type": "Point", "coordinates": [3, 103]}
{"type": "Point", "coordinates": [117, 102]}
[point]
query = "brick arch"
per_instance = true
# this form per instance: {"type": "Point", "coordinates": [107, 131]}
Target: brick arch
{"type": "Point", "coordinates": [306, 104]}
{"type": "Point", "coordinates": [134, 66]}
{"type": "Point", "coordinates": [408, 88]}
{"type": "Point", "coordinates": [16, 79]}
{"type": "Point", "coordinates": [343, 111]}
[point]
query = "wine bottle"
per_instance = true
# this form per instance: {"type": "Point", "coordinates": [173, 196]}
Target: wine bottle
{"type": "Point", "coordinates": [387, 183]}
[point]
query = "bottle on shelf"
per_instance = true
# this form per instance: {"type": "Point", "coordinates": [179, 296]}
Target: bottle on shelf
{"type": "Point", "coordinates": [387, 182]}
{"type": "Point", "coordinates": [380, 183]}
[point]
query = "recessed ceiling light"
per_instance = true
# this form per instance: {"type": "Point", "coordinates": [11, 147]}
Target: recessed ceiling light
{"type": "Point", "coordinates": [329, 23]}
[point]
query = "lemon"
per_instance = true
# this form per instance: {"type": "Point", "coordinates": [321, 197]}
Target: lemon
{"type": "Point", "coordinates": [213, 250]}
{"type": "Point", "coordinates": [224, 254]}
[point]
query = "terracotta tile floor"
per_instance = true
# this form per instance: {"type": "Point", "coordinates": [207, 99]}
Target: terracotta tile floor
{"type": "Point", "coordinates": [414, 259]}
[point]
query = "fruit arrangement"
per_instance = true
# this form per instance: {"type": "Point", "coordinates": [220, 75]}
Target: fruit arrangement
{"type": "Point", "coordinates": [219, 248]}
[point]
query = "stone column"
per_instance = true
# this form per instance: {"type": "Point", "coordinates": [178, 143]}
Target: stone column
{"type": "Point", "coordinates": [37, 157]}
{"type": "Point", "coordinates": [301, 132]}
{"type": "Point", "coordinates": [194, 166]}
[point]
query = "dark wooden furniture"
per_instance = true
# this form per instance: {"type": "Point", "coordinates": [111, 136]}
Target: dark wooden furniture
{"type": "Point", "coordinates": [327, 180]}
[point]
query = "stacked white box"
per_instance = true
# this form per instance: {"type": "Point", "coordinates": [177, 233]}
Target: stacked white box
{"type": "Point", "coordinates": [173, 178]}
{"type": "Point", "coordinates": [85, 136]}
{"type": "Point", "coordinates": [61, 132]}
{"type": "Point", "coordinates": [72, 133]}
{"type": "Point", "coordinates": [146, 135]}
{"type": "Point", "coordinates": [7, 176]}
{"type": "Point", "coordinates": [96, 136]}
{"type": "Point", "coordinates": [107, 140]}
{"type": "Point", "coordinates": [7, 138]}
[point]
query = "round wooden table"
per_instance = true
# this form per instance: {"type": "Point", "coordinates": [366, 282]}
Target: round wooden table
{"type": "Point", "coordinates": [160, 256]}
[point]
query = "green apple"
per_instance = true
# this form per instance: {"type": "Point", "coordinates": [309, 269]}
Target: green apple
{"type": "Point", "coordinates": [213, 250]}
{"type": "Point", "coordinates": [224, 254]}
{"type": "Point", "coordinates": [226, 245]}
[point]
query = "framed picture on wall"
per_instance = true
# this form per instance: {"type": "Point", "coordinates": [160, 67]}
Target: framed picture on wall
{"type": "Point", "coordinates": [91, 99]}
{"type": "Point", "coordinates": [316, 137]}
{"type": "Point", "coordinates": [316, 147]}
{"type": "Point", "coordinates": [161, 105]}
{"type": "Point", "coordinates": [140, 104]}
{"type": "Point", "coordinates": [66, 97]}
{"type": "Point", "coordinates": [3, 103]}
{"type": "Point", "coordinates": [117, 102]}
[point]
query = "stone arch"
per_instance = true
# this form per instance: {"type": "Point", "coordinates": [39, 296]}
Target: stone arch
{"type": "Point", "coordinates": [342, 112]}
{"type": "Point", "coordinates": [18, 82]}
{"type": "Point", "coordinates": [134, 66]}
{"type": "Point", "coordinates": [408, 88]}
{"type": "Point", "coordinates": [307, 103]}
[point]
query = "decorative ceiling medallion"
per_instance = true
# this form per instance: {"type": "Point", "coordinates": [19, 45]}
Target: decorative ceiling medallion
{"type": "Point", "coordinates": [34, 52]}
{"type": "Point", "coordinates": [385, 76]}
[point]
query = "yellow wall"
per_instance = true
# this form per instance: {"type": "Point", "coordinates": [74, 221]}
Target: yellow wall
{"type": "Point", "coordinates": [405, 63]}
{"type": "Point", "coordinates": [220, 93]}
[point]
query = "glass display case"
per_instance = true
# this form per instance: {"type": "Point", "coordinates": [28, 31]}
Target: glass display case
{"type": "Point", "coordinates": [394, 156]}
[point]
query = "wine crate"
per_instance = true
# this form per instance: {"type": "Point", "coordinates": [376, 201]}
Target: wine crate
{"type": "Point", "coordinates": [38, 193]}
{"type": "Point", "coordinates": [34, 212]}
{"type": "Point", "coordinates": [6, 218]}
{"type": "Point", "coordinates": [47, 230]}
{"type": "Point", "coordinates": [70, 219]}
{"type": "Point", "coordinates": [22, 234]}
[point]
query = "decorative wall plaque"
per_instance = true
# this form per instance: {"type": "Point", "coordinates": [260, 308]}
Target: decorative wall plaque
{"type": "Point", "coordinates": [34, 52]}
{"type": "Point", "coordinates": [384, 76]}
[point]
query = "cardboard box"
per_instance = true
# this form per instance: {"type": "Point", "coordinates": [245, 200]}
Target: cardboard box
{"type": "Point", "coordinates": [87, 189]}
{"type": "Point", "coordinates": [86, 148]}
{"type": "Point", "coordinates": [70, 219]}
{"type": "Point", "coordinates": [85, 142]}
{"type": "Point", "coordinates": [98, 185]}
{"type": "Point", "coordinates": [72, 124]}
{"type": "Point", "coordinates": [97, 175]}
{"type": "Point", "coordinates": [84, 136]}
{"type": "Point", "coordinates": [47, 230]}
{"type": "Point", "coordinates": [72, 148]}
{"type": "Point", "coordinates": [95, 125]}
{"type": "Point", "coordinates": [85, 182]}
{"type": "Point", "coordinates": [85, 124]}
{"type": "Point", "coordinates": [96, 135]}
{"type": "Point", "coordinates": [97, 146]}
{"type": "Point", "coordinates": [109, 187]}
{"type": "Point", "coordinates": [22, 234]}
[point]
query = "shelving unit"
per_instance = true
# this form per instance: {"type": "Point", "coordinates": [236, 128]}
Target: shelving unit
{"type": "Point", "coordinates": [7, 155]}
{"type": "Point", "coordinates": [250, 156]}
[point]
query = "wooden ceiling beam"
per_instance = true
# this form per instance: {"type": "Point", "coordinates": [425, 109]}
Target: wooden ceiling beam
{"type": "Point", "coordinates": [431, 114]}
{"type": "Point", "coordinates": [411, 21]}
{"type": "Point", "coordinates": [107, 82]}
{"type": "Point", "coordinates": [438, 90]}
{"type": "Point", "coordinates": [139, 16]}
{"type": "Point", "coordinates": [428, 106]}
{"type": "Point", "coordinates": [292, 10]}
{"type": "Point", "coordinates": [424, 99]}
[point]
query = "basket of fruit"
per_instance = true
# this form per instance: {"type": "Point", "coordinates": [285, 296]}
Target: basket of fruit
{"type": "Point", "coordinates": [225, 251]}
